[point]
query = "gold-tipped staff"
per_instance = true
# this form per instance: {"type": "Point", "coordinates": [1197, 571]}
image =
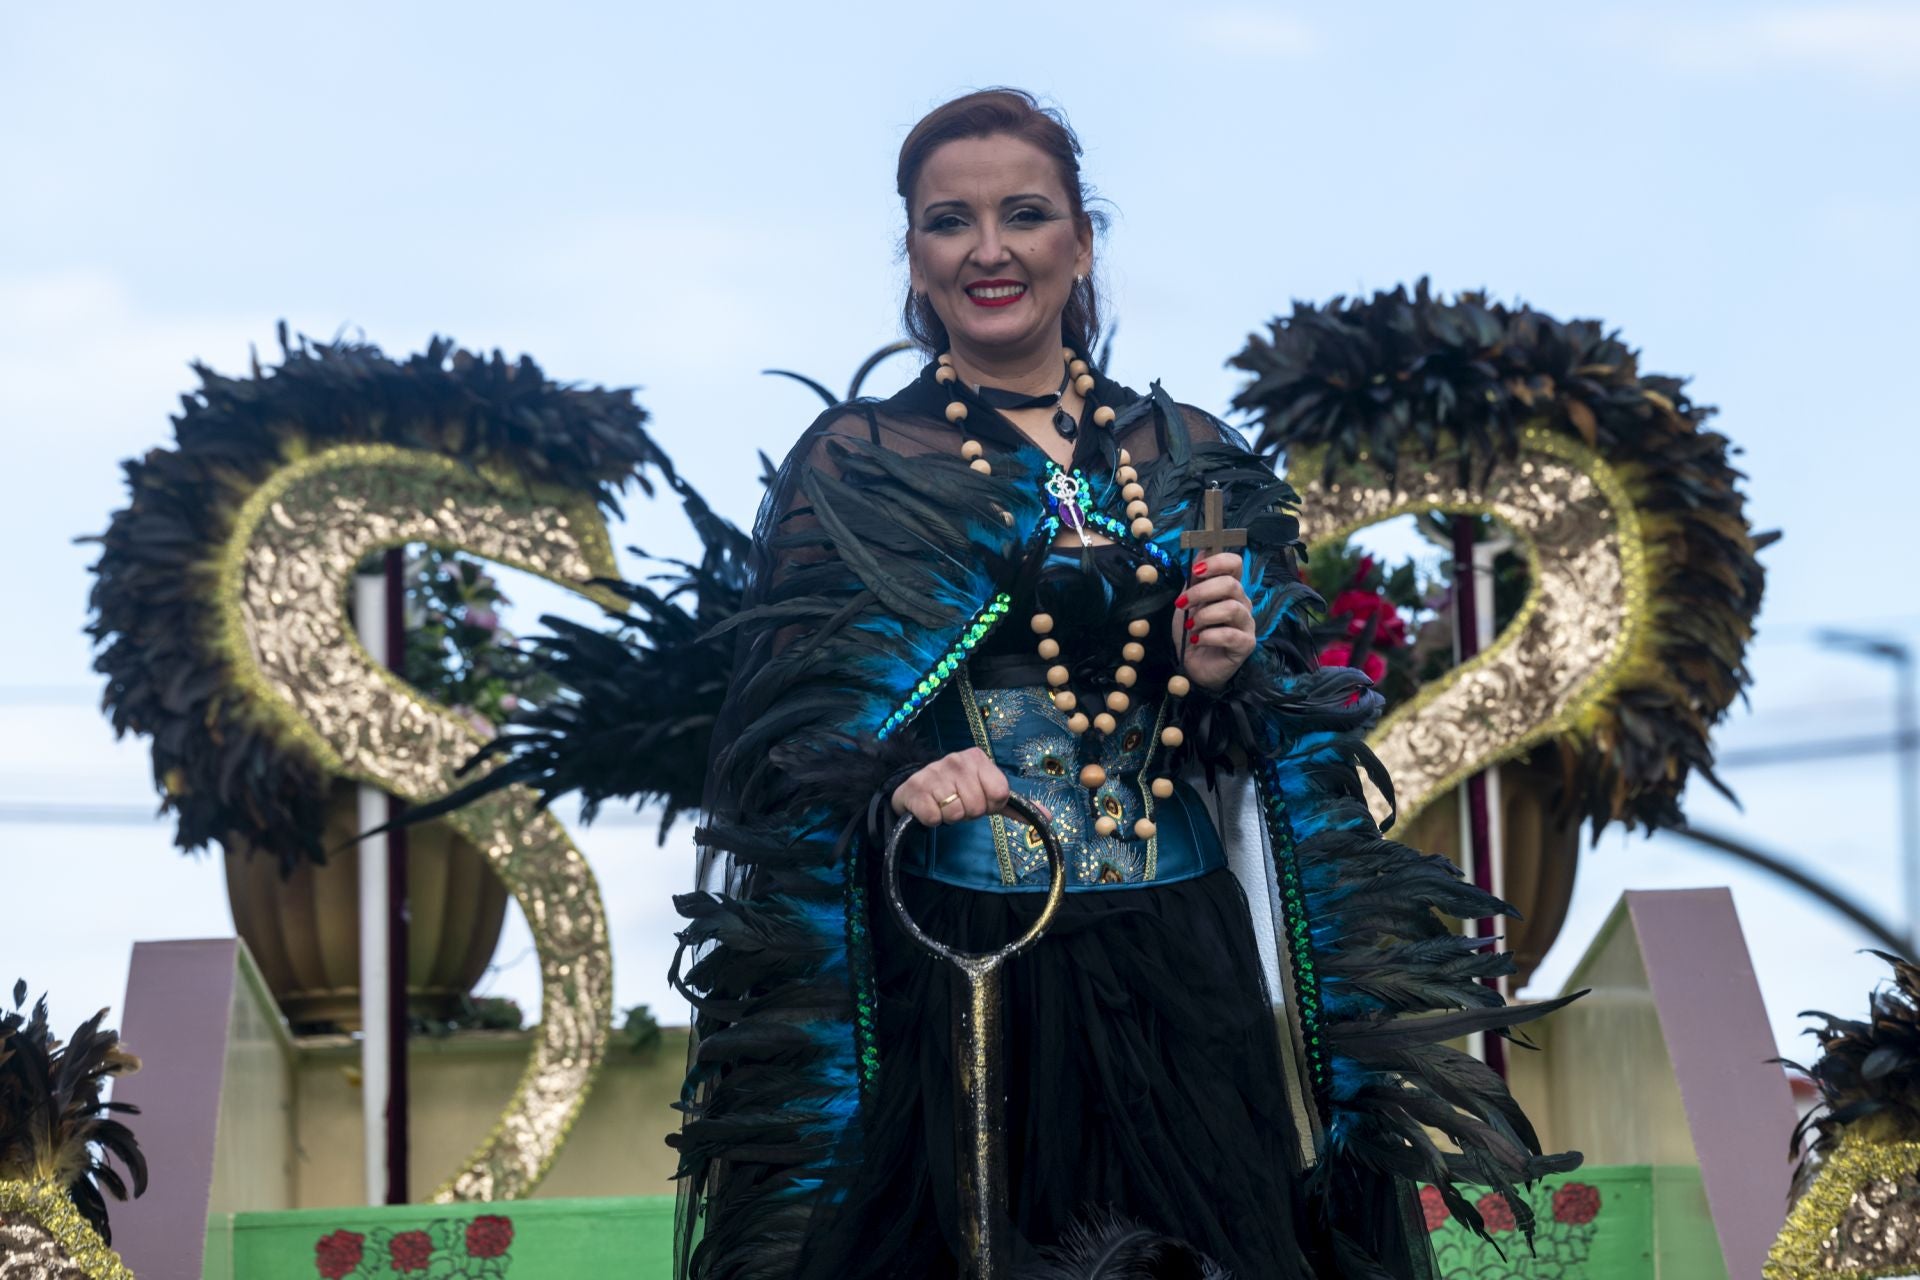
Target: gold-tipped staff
{"type": "Point", "coordinates": [976, 1052]}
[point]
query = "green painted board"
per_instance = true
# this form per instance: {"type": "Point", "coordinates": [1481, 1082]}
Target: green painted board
{"type": "Point", "coordinates": [524, 1240]}
{"type": "Point", "coordinates": [1630, 1222]}
{"type": "Point", "coordinates": [1624, 1222]}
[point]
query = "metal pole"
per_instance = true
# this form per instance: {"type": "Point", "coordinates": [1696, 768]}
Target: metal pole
{"type": "Point", "coordinates": [1476, 849]}
{"type": "Point", "coordinates": [1907, 710]}
{"type": "Point", "coordinates": [369, 612]}
{"type": "Point", "coordinates": [399, 915]}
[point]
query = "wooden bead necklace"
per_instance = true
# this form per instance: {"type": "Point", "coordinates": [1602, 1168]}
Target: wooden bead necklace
{"type": "Point", "coordinates": [1067, 493]}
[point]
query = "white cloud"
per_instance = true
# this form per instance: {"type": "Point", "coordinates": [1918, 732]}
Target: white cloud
{"type": "Point", "coordinates": [1879, 42]}
{"type": "Point", "coordinates": [1254, 32]}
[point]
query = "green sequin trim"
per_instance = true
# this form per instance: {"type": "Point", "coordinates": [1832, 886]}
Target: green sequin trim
{"type": "Point", "coordinates": [866, 1019]}
{"type": "Point", "coordinates": [1306, 980]}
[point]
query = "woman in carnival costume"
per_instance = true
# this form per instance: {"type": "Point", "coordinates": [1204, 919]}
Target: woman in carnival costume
{"type": "Point", "coordinates": [1233, 1034]}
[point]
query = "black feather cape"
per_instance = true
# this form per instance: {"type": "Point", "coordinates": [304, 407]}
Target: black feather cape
{"type": "Point", "coordinates": [869, 568]}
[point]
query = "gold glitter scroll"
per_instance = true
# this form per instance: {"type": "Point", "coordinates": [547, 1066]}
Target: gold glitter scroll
{"type": "Point", "coordinates": [1565, 650]}
{"type": "Point", "coordinates": [1860, 1217]}
{"type": "Point", "coordinates": [283, 581]}
{"type": "Point", "coordinates": [43, 1237]}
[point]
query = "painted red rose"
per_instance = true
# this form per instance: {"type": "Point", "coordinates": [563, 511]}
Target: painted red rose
{"type": "Point", "coordinates": [1433, 1208]}
{"type": "Point", "coordinates": [411, 1251]}
{"type": "Point", "coordinates": [1576, 1203]}
{"type": "Point", "coordinates": [489, 1235]}
{"type": "Point", "coordinates": [337, 1254]}
{"type": "Point", "coordinates": [1495, 1210]}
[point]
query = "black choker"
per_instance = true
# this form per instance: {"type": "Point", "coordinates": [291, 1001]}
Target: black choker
{"type": "Point", "coordinates": [1001, 398]}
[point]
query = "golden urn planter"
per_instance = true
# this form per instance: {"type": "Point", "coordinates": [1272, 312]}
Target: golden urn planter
{"type": "Point", "coordinates": [304, 931]}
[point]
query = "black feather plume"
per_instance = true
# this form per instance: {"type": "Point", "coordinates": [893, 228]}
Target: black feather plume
{"type": "Point", "coordinates": [1107, 1246]}
{"type": "Point", "coordinates": [54, 1126]}
{"type": "Point", "coordinates": [1868, 1073]}
{"type": "Point", "coordinates": [634, 716]}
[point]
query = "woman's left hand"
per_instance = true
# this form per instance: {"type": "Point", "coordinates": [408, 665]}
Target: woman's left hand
{"type": "Point", "coordinates": [1217, 620]}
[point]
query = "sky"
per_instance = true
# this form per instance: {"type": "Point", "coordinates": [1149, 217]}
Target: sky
{"type": "Point", "coordinates": [675, 198]}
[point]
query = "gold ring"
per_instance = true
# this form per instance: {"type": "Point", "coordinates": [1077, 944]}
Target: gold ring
{"type": "Point", "coordinates": [950, 799]}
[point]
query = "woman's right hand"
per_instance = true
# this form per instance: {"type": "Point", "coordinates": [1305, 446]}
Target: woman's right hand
{"type": "Point", "coordinates": [969, 775]}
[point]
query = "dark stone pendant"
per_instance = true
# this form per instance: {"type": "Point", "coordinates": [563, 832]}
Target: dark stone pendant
{"type": "Point", "coordinates": [1063, 423]}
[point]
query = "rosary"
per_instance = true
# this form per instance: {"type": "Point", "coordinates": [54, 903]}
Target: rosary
{"type": "Point", "coordinates": [1067, 494]}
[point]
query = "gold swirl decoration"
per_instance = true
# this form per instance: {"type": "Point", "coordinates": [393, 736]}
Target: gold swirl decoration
{"type": "Point", "coordinates": [282, 576]}
{"type": "Point", "coordinates": [1581, 632]}
{"type": "Point", "coordinates": [1859, 1218]}
{"type": "Point", "coordinates": [43, 1237]}
{"type": "Point", "coordinates": [1646, 578]}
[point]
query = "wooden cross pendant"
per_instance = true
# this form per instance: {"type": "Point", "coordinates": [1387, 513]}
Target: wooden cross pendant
{"type": "Point", "coordinates": [1212, 536]}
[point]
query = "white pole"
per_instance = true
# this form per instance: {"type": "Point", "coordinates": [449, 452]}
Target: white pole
{"type": "Point", "coordinates": [1483, 557]}
{"type": "Point", "coordinates": [370, 615]}
{"type": "Point", "coordinates": [1483, 623]}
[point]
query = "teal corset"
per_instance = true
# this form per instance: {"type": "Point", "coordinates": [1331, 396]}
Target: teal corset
{"type": "Point", "coordinates": [1030, 741]}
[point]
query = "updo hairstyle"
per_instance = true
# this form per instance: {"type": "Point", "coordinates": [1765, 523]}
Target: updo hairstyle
{"type": "Point", "coordinates": [1018, 114]}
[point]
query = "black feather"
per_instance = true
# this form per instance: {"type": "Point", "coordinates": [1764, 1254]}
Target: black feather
{"type": "Point", "coordinates": [1107, 1246]}
{"type": "Point", "coordinates": [54, 1125]}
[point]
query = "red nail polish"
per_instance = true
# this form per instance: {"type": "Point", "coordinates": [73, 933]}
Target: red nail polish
{"type": "Point", "coordinates": [1189, 624]}
{"type": "Point", "coordinates": [1181, 603]}
{"type": "Point", "coordinates": [1201, 567]}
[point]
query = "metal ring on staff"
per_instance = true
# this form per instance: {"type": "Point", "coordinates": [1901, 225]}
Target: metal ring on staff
{"type": "Point", "coordinates": [979, 1096]}
{"type": "Point", "coordinates": [1056, 889]}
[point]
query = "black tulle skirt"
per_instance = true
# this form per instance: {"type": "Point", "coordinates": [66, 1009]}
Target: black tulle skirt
{"type": "Point", "coordinates": [1143, 1078]}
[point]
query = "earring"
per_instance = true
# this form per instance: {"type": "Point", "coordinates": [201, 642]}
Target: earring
{"type": "Point", "coordinates": [1078, 278]}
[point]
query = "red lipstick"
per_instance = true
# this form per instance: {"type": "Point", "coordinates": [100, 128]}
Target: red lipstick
{"type": "Point", "coordinates": [1007, 299]}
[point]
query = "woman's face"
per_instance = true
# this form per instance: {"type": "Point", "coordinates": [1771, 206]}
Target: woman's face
{"type": "Point", "coordinates": [994, 244]}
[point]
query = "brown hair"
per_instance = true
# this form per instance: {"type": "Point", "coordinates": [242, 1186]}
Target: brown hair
{"type": "Point", "coordinates": [1018, 114]}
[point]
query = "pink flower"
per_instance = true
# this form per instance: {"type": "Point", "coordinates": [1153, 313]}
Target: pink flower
{"type": "Point", "coordinates": [485, 619]}
{"type": "Point", "coordinates": [1357, 607]}
{"type": "Point", "coordinates": [1433, 1208]}
{"type": "Point", "coordinates": [1340, 654]}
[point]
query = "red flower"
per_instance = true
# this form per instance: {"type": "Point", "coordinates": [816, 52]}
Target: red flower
{"type": "Point", "coordinates": [411, 1251]}
{"type": "Point", "coordinates": [1576, 1203]}
{"type": "Point", "coordinates": [337, 1254]}
{"type": "Point", "coordinates": [1495, 1210]}
{"type": "Point", "coordinates": [489, 1235]}
{"type": "Point", "coordinates": [1390, 632]}
{"type": "Point", "coordinates": [1433, 1208]}
{"type": "Point", "coordinates": [1340, 654]}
